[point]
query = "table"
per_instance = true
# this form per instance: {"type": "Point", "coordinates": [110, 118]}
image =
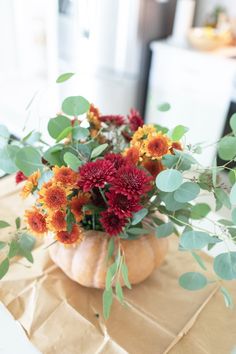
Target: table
{"type": "Point", "coordinates": [62, 317]}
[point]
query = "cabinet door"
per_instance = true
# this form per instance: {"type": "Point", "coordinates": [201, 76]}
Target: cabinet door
{"type": "Point", "coordinates": [198, 87]}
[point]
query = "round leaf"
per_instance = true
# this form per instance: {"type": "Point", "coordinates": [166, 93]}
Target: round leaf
{"type": "Point", "coordinates": [227, 148]}
{"type": "Point", "coordinates": [232, 123]}
{"type": "Point", "coordinates": [98, 150]}
{"type": "Point", "coordinates": [192, 281]}
{"type": "Point", "coordinates": [187, 192]}
{"type": "Point", "coordinates": [72, 161]}
{"type": "Point", "coordinates": [137, 217]}
{"type": "Point", "coordinates": [53, 155]}
{"type": "Point", "coordinates": [57, 125]}
{"type": "Point", "coordinates": [200, 210]}
{"type": "Point", "coordinates": [164, 107]}
{"type": "Point", "coordinates": [170, 202]}
{"type": "Point", "coordinates": [28, 160]}
{"type": "Point", "coordinates": [80, 133]}
{"type": "Point", "coordinates": [75, 105]}
{"type": "Point", "coordinates": [191, 240]}
{"type": "Point", "coordinates": [225, 265]}
{"type": "Point", "coordinates": [164, 230]}
{"type": "Point", "coordinates": [7, 158]}
{"type": "Point", "coordinates": [169, 180]}
{"type": "Point", "coordinates": [178, 132]}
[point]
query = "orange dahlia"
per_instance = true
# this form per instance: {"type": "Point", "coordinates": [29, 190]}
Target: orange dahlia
{"type": "Point", "coordinates": [36, 221]}
{"type": "Point", "coordinates": [65, 175]}
{"type": "Point", "coordinates": [157, 146]}
{"type": "Point", "coordinates": [53, 196]}
{"type": "Point", "coordinates": [56, 221]}
{"type": "Point", "coordinates": [77, 204]}
{"type": "Point", "coordinates": [69, 238]}
{"type": "Point", "coordinates": [30, 184]}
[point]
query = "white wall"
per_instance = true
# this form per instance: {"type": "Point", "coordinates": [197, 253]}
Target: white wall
{"type": "Point", "coordinates": [206, 6]}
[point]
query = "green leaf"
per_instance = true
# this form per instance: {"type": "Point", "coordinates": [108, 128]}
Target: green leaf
{"type": "Point", "coordinates": [232, 176]}
{"type": "Point", "coordinates": [64, 134]}
{"type": "Point", "coordinates": [164, 230]}
{"type": "Point", "coordinates": [200, 211]}
{"type": "Point", "coordinates": [227, 148]}
{"type": "Point", "coordinates": [80, 133]}
{"type": "Point", "coordinates": [214, 172]}
{"type": "Point", "coordinates": [72, 161]}
{"type": "Point", "coordinates": [2, 244]}
{"type": "Point", "coordinates": [137, 217]}
{"type": "Point", "coordinates": [64, 77]}
{"type": "Point", "coordinates": [27, 254]}
{"type": "Point", "coordinates": [29, 160]}
{"type": "Point", "coordinates": [137, 231]}
{"type": "Point", "coordinates": [45, 177]}
{"type": "Point", "coordinates": [57, 125]}
{"type": "Point", "coordinates": [124, 271]}
{"type": "Point", "coordinates": [98, 150]}
{"type": "Point", "coordinates": [111, 271]}
{"type": "Point", "coordinates": [222, 197]}
{"type": "Point", "coordinates": [160, 128]}
{"type": "Point", "coordinates": [199, 260]}
{"type": "Point", "coordinates": [178, 132]}
{"type": "Point", "coordinates": [4, 132]}
{"type": "Point", "coordinates": [14, 249]}
{"type": "Point", "coordinates": [191, 240]}
{"type": "Point", "coordinates": [110, 248]}
{"type": "Point", "coordinates": [169, 160]}
{"type": "Point", "coordinates": [4, 224]}
{"type": "Point", "coordinates": [53, 155]}
{"type": "Point", "coordinates": [18, 223]}
{"type": "Point", "coordinates": [119, 292]}
{"type": "Point", "coordinates": [232, 123]}
{"type": "Point", "coordinates": [107, 302]}
{"type": "Point", "coordinates": [75, 105]}
{"type": "Point", "coordinates": [187, 192]}
{"type": "Point", "coordinates": [225, 265]}
{"type": "Point", "coordinates": [7, 158]}
{"type": "Point", "coordinates": [232, 195]}
{"type": "Point", "coordinates": [164, 107]}
{"type": "Point", "coordinates": [192, 281]}
{"type": "Point", "coordinates": [4, 266]}
{"type": "Point", "coordinates": [169, 180]}
{"type": "Point", "coordinates": [227, 297]}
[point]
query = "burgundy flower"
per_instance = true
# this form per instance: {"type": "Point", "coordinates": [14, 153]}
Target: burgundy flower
{"type": "Point", "coordinates": [95, 174]}
{"type": "Point", "coordinates": [121, 205]}
{"type": "Point", "coordinates": [20, 177]}
{"type": "Point", "coordinates": [117, 160]}
{"type": "Point", "coordinates": [126, 135]}
{"type": "Point", "coordinates": [116, 120]}
{"type": "Point", "coordinates": [112, 223]}
{"type": "Point", "coordinates": [131, 181]}
{"type": "Point", "coordinates": [135, 120]}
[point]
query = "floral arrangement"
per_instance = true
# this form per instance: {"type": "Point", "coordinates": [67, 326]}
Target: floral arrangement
{"type": "Point", "coordinates": [118, 175]}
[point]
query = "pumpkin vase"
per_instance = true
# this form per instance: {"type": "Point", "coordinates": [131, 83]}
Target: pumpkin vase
{"type": "Point", "coordinates": [86, 263]}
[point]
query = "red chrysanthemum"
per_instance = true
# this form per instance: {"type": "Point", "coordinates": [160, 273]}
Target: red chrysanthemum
{"type": "Point", "coordinates": [116, 120]}
{"type": "Point", "coordinates": [20, 177]}
{"type": "Point", "coordinates": [69, 238]}
{"type": "Point", "coordinates": [117, 160]}
{"type": "Point", "coordinates": [96, 174]}
{"type": "Point", "coordinates": [121, 205]}
{"type": "Point", "coordinates": [112, 223]}
{"type": "Point", "coordinates": [131, 181]}
{"type": "Point", "coordinates": [135, 120]}
{"type": "Point", "coordinates": [154, 167]}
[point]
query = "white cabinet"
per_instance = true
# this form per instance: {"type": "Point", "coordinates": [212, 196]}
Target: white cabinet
{"type": "Point", "coordinates": [198, 86]}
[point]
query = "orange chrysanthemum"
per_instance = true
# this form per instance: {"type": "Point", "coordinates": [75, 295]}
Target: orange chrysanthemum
{"type": "Point", "coordinates": [69, 238]}
{"type": "Point", "coordinates": [93, 118]}
{"type": "Point", "coordinates": [157, 146]}
{"type": "Point", "coordinates": [31, 184]}
{"type": "Point", "coordinates": [36, 221]}
{"type": "Point", "coordinates": [132, 154]}
{"type": "Point", "coordinates": [77, 204]}
{"type": "Point", "coordinates": [57, 221]}
{"type": "Point", "coordinates": [154, 167]}
{"type": "Point", "coordinates": [65, 175]}
{"type": "Point", "coordinates": [53, 196]}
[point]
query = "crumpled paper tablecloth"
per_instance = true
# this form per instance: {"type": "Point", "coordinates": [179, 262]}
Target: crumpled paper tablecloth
{"type": "Point", "coordinates": [62, 317]}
